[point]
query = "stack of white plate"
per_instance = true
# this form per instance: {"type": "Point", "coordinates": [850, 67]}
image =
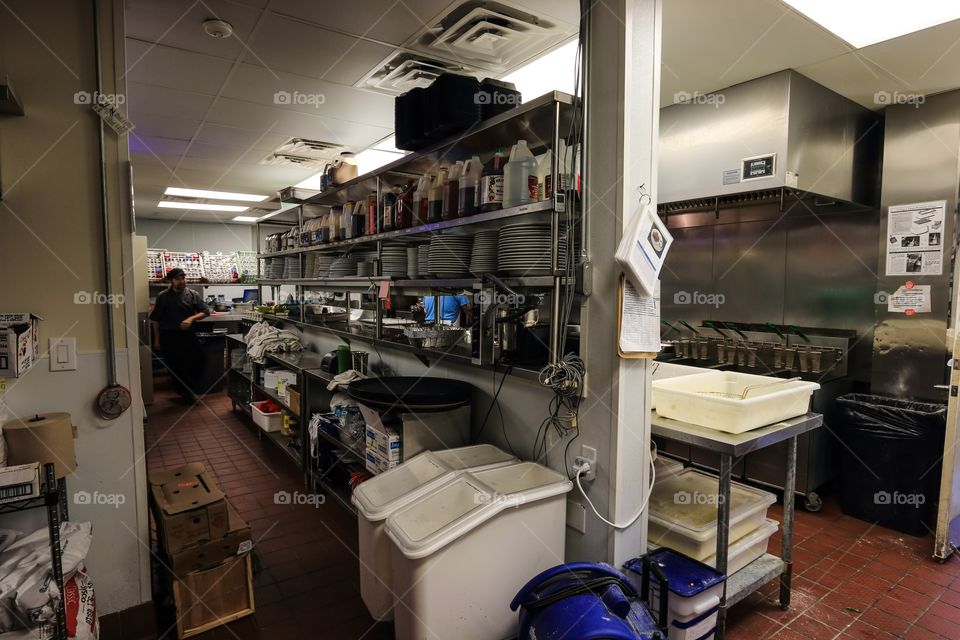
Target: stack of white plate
{"type": "Point", "coordinates": [449, 256]}
{"type": "Point", "coordinates": [343, 266]}
{"type": "Point", "coordinates": [413, 266]}
{"type": "Point", "coordinates": [322, 264]}
{"type": "Point", "coordinates": [423, 260]}
{"type": "Point", "coordinates": [393, 260]}
{"type": "Point", "coordinates": [483, 258]}
{"type": "Point", "coordinates": [309, 264]}
{"type": "Point", "coordinates": [365, 269]}
{"type": "Point", "coordinates": [524, 249]}
{"type": "Point", "coordinates": [292, 269]}
{"type": "Point", "coordinates": [273, 267]}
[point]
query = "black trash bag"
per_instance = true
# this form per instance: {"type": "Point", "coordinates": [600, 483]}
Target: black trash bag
{"type": "Point", "coordinates": [892, 452]}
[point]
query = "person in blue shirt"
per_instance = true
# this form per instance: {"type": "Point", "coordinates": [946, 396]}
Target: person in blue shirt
{"type": "Point", "coordinates": [453, 309]}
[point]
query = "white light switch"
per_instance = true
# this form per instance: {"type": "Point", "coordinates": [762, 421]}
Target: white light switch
{"type": "Point", "coordinates": [63, 354]}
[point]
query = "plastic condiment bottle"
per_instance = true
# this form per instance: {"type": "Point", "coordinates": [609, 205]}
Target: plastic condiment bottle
{"type": "Point", "coordinates": [335, 214]}
{"type": "Point", "coordinates": [520, 180]}
{"type": "Point", "coordinates": [389, 209]}
{"type": "Point", "coordinates": [451, 192]}
{"type": "Point", "coordinates": [403, 217]}
{"type": "Point", "coordinates": [372, 214]}
{"type": "Point", "coordinates": [346, 222]}
{"type": "Point", "coordinates": [491, 183]}
{"type": "Point", "coordinates": [421, 198]}
{"type": "Point", "coordinates": [468, 202]}
{"type": "Point", "coordinates": [358, 219]}
{"type": "Point", "coordinates": [435, 201]}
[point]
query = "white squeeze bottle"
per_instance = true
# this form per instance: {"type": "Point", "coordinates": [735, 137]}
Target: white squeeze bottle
{"type": "Point", "coordinates": [468, 202]}
{"type": "Point", "coordinates": [520, 177]}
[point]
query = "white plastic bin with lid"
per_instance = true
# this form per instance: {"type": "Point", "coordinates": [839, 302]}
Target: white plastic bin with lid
{"type": "Point", "coordinates": [746, 549]}
{"type": "Point", "coordinates": [714, 399]}
{"type": "Point", "coordinates": [683, 512]}
{"type": "Point", "coordinates": [394, 489]}
{"type": "Point", "coordinates": [463, 551]}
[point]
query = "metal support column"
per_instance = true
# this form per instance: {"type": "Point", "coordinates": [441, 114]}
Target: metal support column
{"type": "Point", "coordinates": [723, 533]}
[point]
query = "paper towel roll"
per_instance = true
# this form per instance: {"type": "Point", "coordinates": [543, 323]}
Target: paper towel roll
{"type": "Point", "coordinates": [46, 437]}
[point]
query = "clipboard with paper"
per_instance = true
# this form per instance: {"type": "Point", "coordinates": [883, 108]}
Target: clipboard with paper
{"type": "Point", "coordinates": [642, 252]}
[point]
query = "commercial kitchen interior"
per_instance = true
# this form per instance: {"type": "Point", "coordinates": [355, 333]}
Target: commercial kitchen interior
{"type": "Point", "coordinates": [420, 380]}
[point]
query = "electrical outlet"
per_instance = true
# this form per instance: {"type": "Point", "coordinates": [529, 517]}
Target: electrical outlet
{"type": "Point", "coordinates": [587, 454]}
{"type": "Point", "coordinates": [576, 516]}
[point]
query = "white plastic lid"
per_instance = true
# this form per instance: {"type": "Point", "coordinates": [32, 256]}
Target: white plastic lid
{"type": "Point", "coordinates": [383, 494]}
{"type": "Point", "coordinates": [524, 482]}
{"type": "Point", "coordinates": [441, 517]}
{"type": "Point", "coordinates": [431, 523]}
{"type": "Point", "coordinates": [476, 457]}
{"type": "Point", "coordinates": [688, 500]}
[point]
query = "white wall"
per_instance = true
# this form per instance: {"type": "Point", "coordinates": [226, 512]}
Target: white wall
{"type": "Point", "coordinates": [196, 236]}
{"type": "Point", "coordinates": [106, 460]}
{"type": "Point", "coordinates": [50, 237]}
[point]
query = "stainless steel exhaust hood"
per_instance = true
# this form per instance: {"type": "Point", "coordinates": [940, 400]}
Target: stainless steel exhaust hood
{"type": "Point", "coordinates": [781, 130]}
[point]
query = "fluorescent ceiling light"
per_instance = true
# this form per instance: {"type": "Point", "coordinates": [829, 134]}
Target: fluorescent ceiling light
{"type": "Point", "coordinates": [865, 22]}
{"type": "Point", "coordinates": [246, 219]}
{"type": "Point", "coordinates": [551, 72]}
{"type": "Point", "coordinates": [169, 204]}
{"type": "Point", "coordinates": [214, 195]}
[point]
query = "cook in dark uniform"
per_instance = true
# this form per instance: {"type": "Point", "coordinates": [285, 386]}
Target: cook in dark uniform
{"type": "Point", "coordinates": [173, 316]}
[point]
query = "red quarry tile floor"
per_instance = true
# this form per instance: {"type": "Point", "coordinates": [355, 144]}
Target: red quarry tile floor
{"type": "Point", "coordinates": [852, 580]}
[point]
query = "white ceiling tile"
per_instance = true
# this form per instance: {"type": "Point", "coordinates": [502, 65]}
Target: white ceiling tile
{"type": "Point", "coordinates": [923, 62]}
{"type": "Point", "coordinates": [147, 99]}
{"type": "Point", "coordinates": [175, 68]}
{"type": "Point", "coordinates": [313, 97]}
{"type": "Point", "coordinates": [148, 124]}
{"type": "Point", "coordinates": [313, 52]}
{"type": "Point", "coordinates": [384, 20]}
{"type": "Point", "coordinates": [758, 37]}
{"type": "Point", "coordinates": [238, 138]}
{"type": "Point", "coordinates": [179, 23]}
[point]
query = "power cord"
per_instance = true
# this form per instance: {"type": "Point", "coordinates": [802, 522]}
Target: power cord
{"type": "Point", "coordinates": [585, 468]}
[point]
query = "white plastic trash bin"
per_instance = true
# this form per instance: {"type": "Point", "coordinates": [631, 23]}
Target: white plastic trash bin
{"type": "Point", "coordinates": [383, 494]}
{"type": "Point", "coordinates": [464, 550]}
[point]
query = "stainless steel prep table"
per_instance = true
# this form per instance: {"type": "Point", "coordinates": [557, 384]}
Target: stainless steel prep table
{"type": "Point", "coordinates": [731, 447]}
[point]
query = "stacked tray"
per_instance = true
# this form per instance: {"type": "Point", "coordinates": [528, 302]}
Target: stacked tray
{"type": "Point", "coordinates": [393, 260]}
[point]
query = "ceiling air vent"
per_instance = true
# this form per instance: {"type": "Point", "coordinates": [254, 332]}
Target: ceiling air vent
{"type": "Point", "coordinates": [303, 153]}
{"type": "Point", "coordinates": [403, 71]}
{"type": "Point", "coordinates": [289, 160]}
{"type": "Point", "coordinates": [490, 35]}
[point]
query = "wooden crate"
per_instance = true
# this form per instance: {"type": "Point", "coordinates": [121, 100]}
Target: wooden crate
{"type": "Point", "coordinates": [214, 597]}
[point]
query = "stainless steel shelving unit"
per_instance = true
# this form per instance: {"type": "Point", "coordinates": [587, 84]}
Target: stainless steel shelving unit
{"type": "Point", "coordinates": [543, 123]}
{"type": "Point", "coordinates": [732, 447]}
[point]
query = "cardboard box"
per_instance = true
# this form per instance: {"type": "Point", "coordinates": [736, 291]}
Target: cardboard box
{"type": "Point", "coordinates": [190, 508]}
{"type": "Point", "coordinates": [376, 464]}
{"type": "Point", "coordinates": [386, 444]}
{"type": "Point", "coordinates": [278, 380]}
{"type": "Point", "coordinates": [213, 597]}
{"type": "Point", "coordinates": [293, 398]}
{"type": "Point", "coordinates": [19, 482]}
{"type": "Point", "coordinates": [19, 343]}
{"type": "Point", "coordinates": [206, 555]}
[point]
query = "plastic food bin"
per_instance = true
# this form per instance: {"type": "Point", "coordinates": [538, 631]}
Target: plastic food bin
{"type": "Point", "coordinates": [713, 399]}
{"type": "Point", "coordinates": [268, 422]}
{"type": "Point", "coordinates": [746, 549]}
{"type": "Point", "coordinates": [394, 489]}
{"type": "Point", "coordinates": [694, 593]}
{"type": "Point", "coordinates": [464, 550]}
{"type": "Point", "coordinates": [683, 512]}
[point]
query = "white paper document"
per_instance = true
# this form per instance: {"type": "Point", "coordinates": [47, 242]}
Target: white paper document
{"type": "Point", "coordinates": [910, 300]}
{"type": "Point", "coordinates": [915, 239]}
{"type": "Point", "coordinates": [640, 320]}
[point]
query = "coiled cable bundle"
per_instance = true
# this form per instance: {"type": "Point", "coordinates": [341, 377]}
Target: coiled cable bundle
{"type": "Point", "coordinates": [566, 379]}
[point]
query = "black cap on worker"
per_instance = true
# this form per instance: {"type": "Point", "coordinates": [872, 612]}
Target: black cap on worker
{"type": "Point", "coordinates": [175, 273]}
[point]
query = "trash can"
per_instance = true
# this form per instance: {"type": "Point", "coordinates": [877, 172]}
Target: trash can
{"type": "Point", "coordinates": [379, 497]}
{"type": "Point", "coordinates": [476, 540]}
{"type": "Point", "coordinates": [212, 361]}
{"type": "Point", "coordinates": [891, 460]}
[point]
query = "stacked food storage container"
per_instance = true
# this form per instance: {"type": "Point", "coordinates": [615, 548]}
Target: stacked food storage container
{"type": "Point", "coordinates": [683, 517]}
